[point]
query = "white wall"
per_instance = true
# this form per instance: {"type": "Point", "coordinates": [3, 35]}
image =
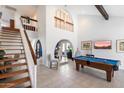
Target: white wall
{"type": "Point", "coordinates": [50, 35]}
{"type": "Point", "coordinates": [96, 28]}
{"type": "Point", "coordinates": [32, 35]}
{"type": "Point", "coordinates": [41, 16]}
{"type": "Point", "coordinates": [54, 35]}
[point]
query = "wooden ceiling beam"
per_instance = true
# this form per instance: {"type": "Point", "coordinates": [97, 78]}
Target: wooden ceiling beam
{"type": "Point", "coordinates": [102, 11]}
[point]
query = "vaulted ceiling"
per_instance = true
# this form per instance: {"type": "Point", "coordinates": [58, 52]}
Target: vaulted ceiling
{"type": "Point", "coordinates": [26, 10]}
{"type": "Point", "coordinates": [112, 10]}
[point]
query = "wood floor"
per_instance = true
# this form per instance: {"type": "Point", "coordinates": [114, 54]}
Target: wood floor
{"type": "Point", "coordinates": [67, 77]}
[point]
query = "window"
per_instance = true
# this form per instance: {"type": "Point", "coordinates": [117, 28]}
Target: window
{"type": "Point", "coordinates": [63, 20]}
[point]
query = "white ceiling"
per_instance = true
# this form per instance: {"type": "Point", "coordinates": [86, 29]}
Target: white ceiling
{"type": "Point", "coordinates": [26, 10]}
{"type": "Point", "coordinates": [112, 10]}
{"type": "Point", "coordinates": [115, 10]}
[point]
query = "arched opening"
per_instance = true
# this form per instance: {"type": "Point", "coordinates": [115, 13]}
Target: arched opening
{"type": "Point", "coordinates": [38, 49]}
{"type": "Point", "coordinates": [63, 51]}
{"type": "Point", "coordinates": [63, 20]}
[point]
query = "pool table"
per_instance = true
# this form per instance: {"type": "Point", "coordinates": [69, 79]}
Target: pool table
{"type": "Point", "coordinates": [108, 65]}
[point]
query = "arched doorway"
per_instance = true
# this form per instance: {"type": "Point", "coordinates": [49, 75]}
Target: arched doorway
{"type": "Point", "coordinates": [63, 51]}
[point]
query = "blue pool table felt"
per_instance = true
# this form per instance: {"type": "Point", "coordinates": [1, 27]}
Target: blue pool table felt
{"type": "Point", "coordinates": [95, 59]}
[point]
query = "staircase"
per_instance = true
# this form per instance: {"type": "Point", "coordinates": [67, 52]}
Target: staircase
{"type": "Point", "coordinates": [13, 67]}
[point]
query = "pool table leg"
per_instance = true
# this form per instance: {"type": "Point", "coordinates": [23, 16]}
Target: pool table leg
{"type": "Point", "coordinates": [77, 67]}
{"type": "Point", "coordinates": [112, 73]}
{"type": "Point", "coordinates": [82, 66]}
{"type": "Point", "coordinates": [109, 75]}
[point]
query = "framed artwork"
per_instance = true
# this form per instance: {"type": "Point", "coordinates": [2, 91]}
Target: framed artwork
{"type": "Point", "coordinates": [103, 44]}
{"type": "Point", "coordinates": [120, 45]}
{"type": "Point", "coordinates": [86, 45]}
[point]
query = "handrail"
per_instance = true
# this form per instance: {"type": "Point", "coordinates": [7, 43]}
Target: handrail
{"type": "Point", "coordinates": [30, 46]}
{"type": "Point", "coordinates": [29, 18]}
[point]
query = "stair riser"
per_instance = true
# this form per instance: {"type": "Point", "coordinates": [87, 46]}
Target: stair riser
{"type": "Point", "coordinates": [17, 68]}
{"type": "Point", "coordinates": [5, 45]}
{"type": "Point", "coordinates": [9, 38]}
{"type": "Point", "coordinates": [12, 66]}
{"type": "Point", "coordinates": [24, 85]}
{"type": "Point", "coordinates": [10, 41]}
{"type": "Point", "coordinates": [14, 51]}
{"type": "Point", "coordinates": [11, 59]}
{"type": "Point", "coordinates": [21, 54]}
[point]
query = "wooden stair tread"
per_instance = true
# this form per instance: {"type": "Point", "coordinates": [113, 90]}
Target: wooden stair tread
{"type": "Point", "coordinates": [11, 28]}
{"type": "Point", "coordinates": [5, 85]}
{"type": "Point", "coordinates": [12, 65]}
{"type": "Point", "coordinates": [15, 83]}
{"type": "Point", "coordinates": [11, 74]}
{"type": "Point", "coordinates": [10, 59]}
{"type": "Point", "coordinates": [19, 81]}
{"type": "Point", "coordinates": [8, 33]}
{"type": "Point", "coordinates": [10, 38]}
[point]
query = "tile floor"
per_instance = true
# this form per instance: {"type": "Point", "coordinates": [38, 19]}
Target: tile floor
{"type": "Point", "coordinates": [67, 77]}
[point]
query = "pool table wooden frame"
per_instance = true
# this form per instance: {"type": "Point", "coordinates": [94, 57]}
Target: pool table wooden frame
{"type": "Point", "coordinates": [98, 65]}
